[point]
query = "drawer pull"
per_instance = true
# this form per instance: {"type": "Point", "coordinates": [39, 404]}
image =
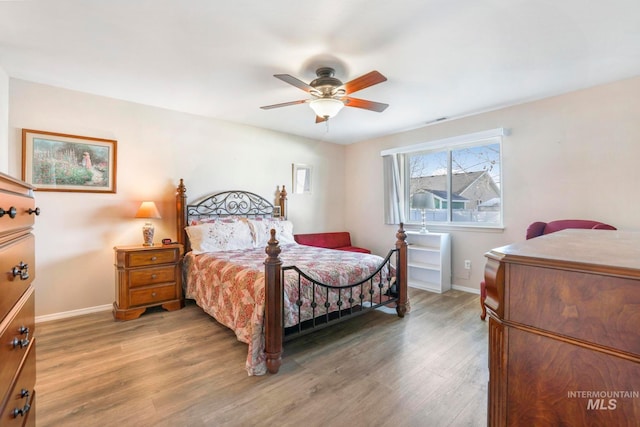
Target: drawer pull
{"type": "Point", "coordinates": [154, 276]}
{"type": "Point", "coordinates": [20, 343]}
{"type": "Point", "coordinates": [153, 258]}
{"type": "Point", "coordinates": [22, 330]}
{"type": "Point", "coordinates": [12, 212]}
{"type": "Point", "coordinates": [34, 211]}
{"type": "Point", "coordinates": [21, 270]}
{"type": "Point", "coordinates": [26, 408]}
{"type": "Point", "coordinates": [153, 294]}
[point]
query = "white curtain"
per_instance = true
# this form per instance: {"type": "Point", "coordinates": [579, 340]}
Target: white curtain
{"type": "Point", "coordinates": [393, 189]}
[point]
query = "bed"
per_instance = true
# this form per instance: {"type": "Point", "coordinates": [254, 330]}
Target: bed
{"type": "Point", "coordinates": [293, 290]}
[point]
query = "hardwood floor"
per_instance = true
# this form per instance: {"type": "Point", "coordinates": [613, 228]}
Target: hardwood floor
{"type": "Point", "coordinates": [182, 368]}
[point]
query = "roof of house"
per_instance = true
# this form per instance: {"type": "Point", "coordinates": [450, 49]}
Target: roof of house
{"type": "Point", "coordinates": [459, 182]}
{"type": "Point", "coordinates": [495, 202]}
{"type": "Point", "coordinates": [442, 194]}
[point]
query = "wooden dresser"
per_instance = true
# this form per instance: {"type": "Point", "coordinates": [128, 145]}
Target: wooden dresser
{"type": "Point", "coordinates": [564, 330]}
{"type": "Point", "coordinates": [17, 321]}
{"type": "Point", "coordinates": [147, 276]}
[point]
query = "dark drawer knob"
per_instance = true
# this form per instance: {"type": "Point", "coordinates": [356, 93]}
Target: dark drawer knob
{"type": "Point", "coordinates": [21, 270]}
{"type": "Point", "coordinates": [20, 343]}
{"type": "Point", "coordinates": [34, 211]}
{"type": "Point", "coordinates": [21, 412]}
{"type": "Point", "coordinates": [12, 212]}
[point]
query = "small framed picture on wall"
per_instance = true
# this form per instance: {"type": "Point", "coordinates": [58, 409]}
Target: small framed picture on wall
{"type": "Point", "coordinates": [302, 178]}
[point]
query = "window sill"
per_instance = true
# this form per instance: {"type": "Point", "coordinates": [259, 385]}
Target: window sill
{"type": "Point", "coordinates": [415, 227]}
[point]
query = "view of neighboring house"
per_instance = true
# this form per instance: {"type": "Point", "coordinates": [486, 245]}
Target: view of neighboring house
{"type": "Point", "coordinates": [470, 192]}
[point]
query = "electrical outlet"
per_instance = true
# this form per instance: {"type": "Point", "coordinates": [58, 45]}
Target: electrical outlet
{"type": "Point", "coordinates": [467, 264]}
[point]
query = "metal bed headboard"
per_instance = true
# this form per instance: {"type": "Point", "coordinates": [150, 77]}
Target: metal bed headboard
{"type": "Point", "coordinates": [224, 204]}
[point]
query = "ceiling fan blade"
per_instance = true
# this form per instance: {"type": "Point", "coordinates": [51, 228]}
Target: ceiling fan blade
{"type": "Point", "coordinates": [320, 119]}
{"type": "Point", "coordinates": [363, 103]}
{"type": "Point", "coordinates": [362, 82]}
{"type": "Point", "coordinates": [284, 104]}
{"type": "Point", "coordinates": [287, 78]}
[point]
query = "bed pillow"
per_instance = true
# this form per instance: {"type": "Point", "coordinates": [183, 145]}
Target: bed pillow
{"type": "Point", "coordinates": [220, 236]}
{"type": "Point", "coordinates": [205, 220]}
{"type": "Point", "coordinates": [262, 231]}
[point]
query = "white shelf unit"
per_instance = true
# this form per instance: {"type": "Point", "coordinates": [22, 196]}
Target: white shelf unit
{"type": "Point", "coordinates": [429, 261]}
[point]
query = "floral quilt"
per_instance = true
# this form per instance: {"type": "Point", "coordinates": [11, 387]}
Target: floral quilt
{"type": "Point", "coordinates": [230, 287]}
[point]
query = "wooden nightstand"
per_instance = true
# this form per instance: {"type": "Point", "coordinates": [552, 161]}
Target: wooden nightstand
{"type": "Point", "coordinates": [147, 276]}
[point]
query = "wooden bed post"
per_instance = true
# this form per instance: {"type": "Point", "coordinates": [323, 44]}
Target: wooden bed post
{"type": "Point", "coordinates": [181, 214]}
{"type": "Point", "coordinates": [273, 321]}
{"type": "Point", "coordinates": [401, 272]}
{"type": "Point", "coordinates": [282, 201]}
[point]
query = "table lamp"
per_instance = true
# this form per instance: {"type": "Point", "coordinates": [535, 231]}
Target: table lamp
{"type": "Point", "coordinates": [148, 211]}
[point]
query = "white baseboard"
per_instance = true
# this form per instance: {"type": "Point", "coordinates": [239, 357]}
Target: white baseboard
{"type": "Point", "coordinates": [73, 313]}
{"type": "Point", "coordinates": [106, 307]}
{"type": "Point", "coordinates": [465, 289]}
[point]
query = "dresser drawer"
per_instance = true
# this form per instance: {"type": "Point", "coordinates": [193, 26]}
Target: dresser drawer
{"type": "Point", "coordinates": [586, 306]}
{"type": "Point", "coordinates": [152, 257]}
{"type": "Point", "coordinates": [21, 203]}
{"type": "Point", "coordinates": [15, 335]}
{"type": "Point", "coordinates": [150, 276]}
{"type": "Point", "coordinates": [153, 295]}
{"type": "Point", "coordinates": [20, 407]}
{"type": "Point", "coordinates": [11, 256]}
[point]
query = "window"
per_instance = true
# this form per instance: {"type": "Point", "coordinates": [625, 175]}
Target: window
{"type": "Point", "coordinates": [456, 181]}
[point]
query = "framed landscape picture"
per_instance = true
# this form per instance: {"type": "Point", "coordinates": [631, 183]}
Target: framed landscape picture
{"type": "Point", "coordinates": [60, 162]}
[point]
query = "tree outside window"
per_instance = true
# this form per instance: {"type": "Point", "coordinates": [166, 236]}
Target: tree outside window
{"type": "Point", "coordinates": [462, 185]}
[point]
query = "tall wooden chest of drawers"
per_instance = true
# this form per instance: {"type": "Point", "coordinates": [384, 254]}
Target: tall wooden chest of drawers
{"type": "Point", "coordinates": [564, 330]}
{"type": "Point", "coordinates": [17, 313]}
{"type": "Point", "coordinates": [147, 276]}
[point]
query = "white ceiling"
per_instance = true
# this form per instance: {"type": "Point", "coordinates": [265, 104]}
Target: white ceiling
{"type": "Point", "coordinates": [442, 58]}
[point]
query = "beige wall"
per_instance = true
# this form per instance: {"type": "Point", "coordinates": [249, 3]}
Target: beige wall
{"type": "Point", "coordinates": [570, 156]}
{"type": "Point", "coordinates": [76, 232]}
{"type": "Point", "coordinates": [4, 121]}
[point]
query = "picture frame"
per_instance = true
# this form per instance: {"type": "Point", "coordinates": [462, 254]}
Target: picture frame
{"type": "Point", "coordinates": [302, 178]}
{"type": "Point", "coordinates": [61, 162]}
{"type": "Point", "coordinates": [276, 213]}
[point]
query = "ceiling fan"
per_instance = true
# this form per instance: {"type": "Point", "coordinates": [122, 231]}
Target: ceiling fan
{"type": "Point", "coordinates": [330, 94]}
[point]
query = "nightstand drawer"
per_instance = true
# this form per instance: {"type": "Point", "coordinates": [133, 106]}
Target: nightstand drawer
{"type": "Point", "coordinates": [153, 295]}
{"type": "Point", "coordinates": [152, 257]}
{"type": "Point", "coordinates": [151, 276]}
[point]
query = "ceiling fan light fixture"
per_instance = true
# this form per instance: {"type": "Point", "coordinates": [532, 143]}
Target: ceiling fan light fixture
{"type": "Point", "coordinates": [326, 107]}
